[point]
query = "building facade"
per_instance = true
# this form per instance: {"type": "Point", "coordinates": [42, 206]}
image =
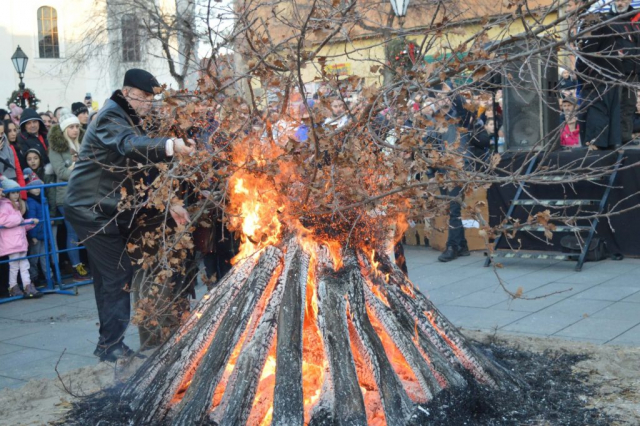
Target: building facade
{"type": "Point", "coordinates": [75, 47]}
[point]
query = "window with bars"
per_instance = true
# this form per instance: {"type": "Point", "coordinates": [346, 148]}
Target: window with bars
{"type": "Point", "coordinates": [130, 39]}
{"type": "Point", "coordinates": [48, 32]}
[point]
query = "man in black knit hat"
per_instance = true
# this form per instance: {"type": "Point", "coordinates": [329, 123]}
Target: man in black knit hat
{"type": "Point", "coordinates": [115, 141]}
{"type": "Point", "coordinates": [81, 111]}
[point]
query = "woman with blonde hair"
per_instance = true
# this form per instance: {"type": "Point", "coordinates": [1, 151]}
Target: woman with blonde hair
{"type": "Point", "coordinates": [64, 145]}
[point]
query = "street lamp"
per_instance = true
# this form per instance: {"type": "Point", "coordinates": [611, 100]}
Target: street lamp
{"type": "Point", "coordinates": [20, 60]}
{"type": "Point", "coordinates": [400, 7]}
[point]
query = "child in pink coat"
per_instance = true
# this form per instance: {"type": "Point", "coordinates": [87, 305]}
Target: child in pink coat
{"type": "Point", "coordinates": [13, 241]}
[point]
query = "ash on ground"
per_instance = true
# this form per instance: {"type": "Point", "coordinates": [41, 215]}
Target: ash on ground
{"type": "Point", "coordinates": [554, 395]}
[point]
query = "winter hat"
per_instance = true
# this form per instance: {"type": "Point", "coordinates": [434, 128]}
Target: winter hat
{"type": "Point", "coordinates": [30, 114]}
{"type": "Point", "coordinates": [8, 184]}
{"type": "Point", "coordinates": [140, 79]}
{"type": "Point", "coordinates": [29, 174]}
{"type": "Point", "coordinates": [78, 108]}
{"type": "Point", "coordinates": [67, 120]}
{"type": "Point", "coordinates": [35, 180]}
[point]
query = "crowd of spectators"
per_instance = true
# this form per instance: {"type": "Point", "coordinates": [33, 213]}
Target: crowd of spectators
{"type": "Point", "coordinates": [37, 148]}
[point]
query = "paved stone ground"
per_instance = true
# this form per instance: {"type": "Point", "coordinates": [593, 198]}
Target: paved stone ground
{"type": "Point", "coordinates": [601, 304]}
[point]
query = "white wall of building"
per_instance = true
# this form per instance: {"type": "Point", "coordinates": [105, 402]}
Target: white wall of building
{"type": "Point", "coordinates": [60, 82]}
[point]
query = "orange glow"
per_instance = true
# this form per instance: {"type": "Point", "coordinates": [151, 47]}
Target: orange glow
{"type": "Point", "coordinates": [374, 264]}
{"type": "Point", "coordinates": [399, 363]}
{"type": "Point", "coordinates": [335, 251]}
{"type": "Point", "coordinates": [456, 350]}
{"type": "Point", "coordinates": [368, 386]}
{"type": "Point", "coordinates": [254, 210]}
{"type": "Point", "coordinates": [267, 208]}
{"type": "Point", "coordinates": [262, 409]}
{"type": "Point", "coordinates": [314, 361]}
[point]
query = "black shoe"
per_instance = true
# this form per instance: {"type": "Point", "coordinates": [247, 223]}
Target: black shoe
{"type": "Point", "coordinates": [115, 353]}
{"type": "Point", "coordinates": [464, 251]}
{"type": "Point", "coordinates": [449, 254]}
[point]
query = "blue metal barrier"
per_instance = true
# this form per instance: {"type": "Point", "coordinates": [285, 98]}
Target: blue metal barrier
{"type": "Point", "coordinates": [51, 251]}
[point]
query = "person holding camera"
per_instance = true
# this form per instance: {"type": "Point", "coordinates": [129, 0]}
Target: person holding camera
{"type": "Point", "coordinates": [114, 144]}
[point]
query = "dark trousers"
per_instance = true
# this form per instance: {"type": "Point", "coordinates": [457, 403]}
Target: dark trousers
{"type": "Point", "coordinates": [601, 119]}
{"type": "Point", "coordinates": [112, 277]}
{"type": "Point", "coordinates": [628, 99]}
{"type": "Point", "coordinates": [217, 263]}
{"type": "Point", "coordinates": [456, 237]}
{"type": "Point", "coordinates": [401, 260]}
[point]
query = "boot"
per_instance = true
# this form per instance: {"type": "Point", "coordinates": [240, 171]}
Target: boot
{"type": "Point", "coordinates": [449, 254]}
{"type": "Point", "coordinates": [464, 250]}
{"type": "Point", "coordinates": [15, 291]}
{"type": "Point", "coordinates": [31, 292]}
{"type": "Point", "coordinates": [115, 353]}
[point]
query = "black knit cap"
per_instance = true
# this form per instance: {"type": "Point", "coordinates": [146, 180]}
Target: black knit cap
{"type": "Point", "coordinates": [78, 108]}
{"type": "Point", "coordinates": [140, 79]}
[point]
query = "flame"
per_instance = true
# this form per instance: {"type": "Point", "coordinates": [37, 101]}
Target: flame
{"type": "Point", "coordinates": [335, 251]}
{"type": "Point", "coordinates": [262, 207]}
{"type": "Point", "coordinates": [262, 408]}
{"type": "Point", "coordinates": [255, 212]}
{"type": "Point", "coordinates": [374, 263]}
{"type": "Point", "coordinates": [314, 361]}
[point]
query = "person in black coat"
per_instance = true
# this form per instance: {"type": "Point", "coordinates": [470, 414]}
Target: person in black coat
{"type": "Point", "coordinates": [627, 29]}
{"type": "Point", "coordinates": [33, 135]}
{"type": "Point", "coordinates": [481, 142]}
{"type": "Point", "coordinates": [612, 49]}
{"type": "Point", "coordinates": [115, 141]}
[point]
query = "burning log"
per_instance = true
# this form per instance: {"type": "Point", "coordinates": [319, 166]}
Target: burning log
{"type": "Point", "coordinates": [288, 399]}
{"type": "Point", "coordinates": [375, 334]}
{"type": "Point", "coordinates": [397, 404]}
{"type": "Point", "coordinates": [348, 406]}
{"type": "Point", "coordinates": [196, 402]}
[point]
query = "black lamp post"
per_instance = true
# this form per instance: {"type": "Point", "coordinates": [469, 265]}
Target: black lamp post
{"type": "Point", "coordinates": [20, 60]}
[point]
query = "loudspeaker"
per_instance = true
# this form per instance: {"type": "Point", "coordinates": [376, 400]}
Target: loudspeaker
{"type": "Point", "coordinates": [530, 101]}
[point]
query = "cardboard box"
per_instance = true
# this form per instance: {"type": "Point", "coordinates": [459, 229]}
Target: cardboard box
{"type": "Point", "coordinates": [439, 226]}
{"type": "Point", "coordinates": [416, 236]}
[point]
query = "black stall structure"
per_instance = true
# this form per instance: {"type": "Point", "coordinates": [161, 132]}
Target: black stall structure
{"type": "Point", "coordinates": [620, 231]}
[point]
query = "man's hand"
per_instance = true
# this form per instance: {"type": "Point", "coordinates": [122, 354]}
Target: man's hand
{"type": "Point", "coordinates": [179, 214]}
{"type": "Point", "coordinates": [34, 240]}
{"type": "Point", "coordinates": [35, 221]}
{"type": "Point", "coordinates": [182, 147]}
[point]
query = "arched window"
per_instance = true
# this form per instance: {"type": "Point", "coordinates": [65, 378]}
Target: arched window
{"type": "Point", "coordinates": [48, 32]}
{"type": "Point", "coordinates": [130, 38]}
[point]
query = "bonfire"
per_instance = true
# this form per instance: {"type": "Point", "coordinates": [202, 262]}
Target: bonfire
{"type": "Point", "coordinates": [315, 322]}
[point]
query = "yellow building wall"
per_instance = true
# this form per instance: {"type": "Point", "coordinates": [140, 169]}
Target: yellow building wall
{"type": "Point", "coordinates": [359, 56]}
